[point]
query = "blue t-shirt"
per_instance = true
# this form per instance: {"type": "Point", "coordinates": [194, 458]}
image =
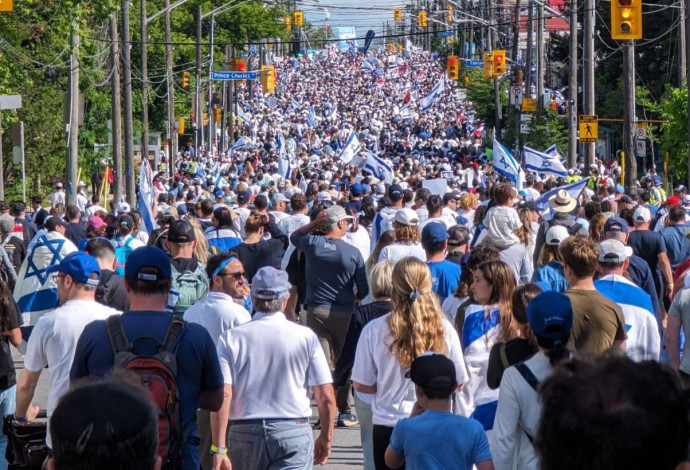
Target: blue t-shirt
{"type": "Point", "coordinates": [440, 440]}
{"type": "Point", "coordinates": [198, 368]}
{"type": "Point", "coordinates": [445, 276]}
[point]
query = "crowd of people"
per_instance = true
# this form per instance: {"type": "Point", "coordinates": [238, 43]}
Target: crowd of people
{"type": "Point", "coordinates": [457, 320]}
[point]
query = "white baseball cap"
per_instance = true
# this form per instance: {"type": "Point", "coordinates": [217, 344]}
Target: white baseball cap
{"type": "Point", "coordinates": [613, 252]}
{"type": "Point", "coordinates": [123, 207]}
{"type": "Point", "coordinates": [642, 214]}
{"type": "Point", "coordinates": [555, 235]}
{"type": "Point", "coordinates": [407, 216]}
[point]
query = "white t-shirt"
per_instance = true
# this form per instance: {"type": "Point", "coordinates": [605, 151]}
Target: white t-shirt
{"type": "Point", "coordinates": [450, 307]}
{"type": "Point", "coordinates": [243, 214]}
{"type": "Point", "coordinates": [91, 210]}
{"type": "Point", "coordinates": [398, 251]}
{"type": "Point", "coordinates": [217, 313]}
{"type": "Point", "coordinates": [271, 347]}
{"type": "Point", "coordinates": [53, 342]}
{"type": "Point", "coordinates": [360, 240]}
{"type": "Point", "coordinates": [288, 225]}
{"type": "Point", "coordinates": [279, 216]}
{"type": "Point", "coordinates": [375, 365]}
{"type": "Point", "coordinates": [434, 220]}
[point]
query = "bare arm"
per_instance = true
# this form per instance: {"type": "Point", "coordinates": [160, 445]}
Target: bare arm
{"type": "Point", "coordinates": [26, 386]}
{"type": "Point", "coordinates": [485, 465]}
{"type": "Point", "coordinates": [672, 333]}
{"type": "Point", "coordinates": [219, 427]}
{"type": "Point", "coordinates": [393, 459]}
{"type": "Point", "coordinates": [361, 388]}
{"type": "Point", "coordinates": [14, 336]}
{"type": "Point", "coordinates": [324, 396]}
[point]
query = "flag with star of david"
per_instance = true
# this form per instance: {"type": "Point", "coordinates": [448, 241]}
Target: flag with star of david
{"type": "Point", "coordinates": [36, 291]}
{"type": "Point", "coordinates": [541, 162]}
{"type": "Point", "coordinates": [505, 164]}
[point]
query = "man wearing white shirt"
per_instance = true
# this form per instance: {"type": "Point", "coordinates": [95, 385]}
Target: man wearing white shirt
{"type": "Point", "coordinates": [279, 206]}
{"type": "Point", "coordinates": [58, 197]}
{"type": "Point", "coordinates": [450, 204]}
{"type": "Point", "coordinates": [298, 219]}
{"type": "Point", "coordinates": [94, 207]}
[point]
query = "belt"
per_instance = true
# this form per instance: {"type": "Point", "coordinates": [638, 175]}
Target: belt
{"type": "Point", "coordinates": [262, 421]}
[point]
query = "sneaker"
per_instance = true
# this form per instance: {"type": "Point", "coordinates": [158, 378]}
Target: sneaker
{"type": "Point", "coordinates": [347, 420]}
{"type": "Point", "coordinates": [317, 425]}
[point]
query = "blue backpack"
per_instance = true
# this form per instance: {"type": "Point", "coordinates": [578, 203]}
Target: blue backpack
{"type": "Point", "coordinates": [122, 252]}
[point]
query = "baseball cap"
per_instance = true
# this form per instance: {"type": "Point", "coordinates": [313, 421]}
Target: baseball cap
{"type": "Point", "coordinates": [616, 224]}
{"type": "Point", "coordinates": [642, 214]}
{"type": "Point", "coordinates": [336, 214]}
{"type": "Point", "coordinates": [270, 283]}
{"type": "Point", "coordinates": [434, 232]}
{"type": "Point", "coordinates": [278, 198]}
{"type": "Point", "coordinates": [680, 189]}
{"type": "Point", "coordinates": [181, 231]}
{"type": "Point", "coordinates": [395, 192]}
{"type": "Point", "coordinates": [625, 199]}
{"type": "Point", "coordinates": [613, 252]}
{"type": "Point", "coordinates": [4, 206]}
{"type": "Point", "coordinates": [555, 235]}
{"type": "Point", "coordinates": [96, 222]}
{"type": "Point", "coordinates": [458, 235]}
{"type": "Point", "coordinates": [123, 207]}
{"type": "Point", "coordinates": [165, 213]}
{"type": "Point", "coordinates": [357, 189]}
{"type": "Point", "coordinates": [149, 258]}
{"type": "Point", "coordinates": [449, 197]}
{"type": "Point", "coordinates": [433, 370]}
{"type": "Point", "coordinates": [79, 266]}
{"type": "Point", "coordinates": [219, 194]}
{"type": "Point", "coordinates": [672, 201]}
{"type": "Point", "coordinates": [182, 209]}
{"type": "Point", "coordinates": [686, 200]}
{"type": "Point", "coordinates": [243, 196]}
{"type": "Point", "coordinates": [6, 223]}
{"type": "Point", "coordinates": [58, 185]}
{"type": "Point", "coordinates": [127, 221]}
{"type": "Point", "coordinates": [323, 196]}
{"type": "Point", "coordinates": [406, 217]}
{"type": "Point", "coordinates": [550, 315]}
{"type": "Point", "coordinates": [53, 222]}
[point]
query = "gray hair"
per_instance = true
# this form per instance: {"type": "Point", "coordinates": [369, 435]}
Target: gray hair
{"type": "Point", "coordinates": [269, 306]}
{"type": "Point", "coordinates": [330, 226]}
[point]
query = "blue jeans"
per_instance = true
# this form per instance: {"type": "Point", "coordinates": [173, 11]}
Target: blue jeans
{"type": "Point", "coordinates": [271, 444]}
{"type": "Point", "coordinates": [7, 401]}
{"type": "Point", "coordinates": [365, 432]}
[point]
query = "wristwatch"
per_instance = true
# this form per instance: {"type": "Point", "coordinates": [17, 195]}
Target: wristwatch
{"type": "Point", "coordinates": [218, 450]}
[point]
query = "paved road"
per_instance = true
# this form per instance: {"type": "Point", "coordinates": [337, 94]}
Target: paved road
{"type": "Point", "coordinates": [346, 454]}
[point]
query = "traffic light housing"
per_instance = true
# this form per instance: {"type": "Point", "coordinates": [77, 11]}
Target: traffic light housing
{"type": "Point", "coordinates": [421, 19]}
{"type": "Point", "coordinates": [6, 5]}
{"type": "Point", "coordinates": [449, 14]}
{"type": "Point", "coordinates": [390, 46]}
{"type": "Point", "coordinates": [488, 65]}
{"type": "Point", "coordinates": [299, 19]}
{"type": "Point", "coordinates": [626, 19]}
{"type": "Point", "coordinates": [217, 114]}
{"type": "Point", "coordinates": [185, 79]}
{"type": "Point", "coordinates": [453, 67]}
{"type": "Point", "coordinates": [288, 22]}
{"type": "Point", "coordinates": [400, 47]}
{"type": "Point", "coordinates": [397, 15]}
{"type": "Point", "coordinates": [498, 57]}
{"type": "Point", "coordinates": [268, 79]}
{"type": "Point", "coordinates": [179, 128]}
{"type": "Point", "coordinates": [204, 118]}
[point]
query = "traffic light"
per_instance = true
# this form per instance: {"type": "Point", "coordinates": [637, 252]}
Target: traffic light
{"type": "Point", "coordinates": [520, 77]}
{"type": "Point", "coordinates": [421, 19]}
{"type": "Point", "coordinates": [288, 22]}
{"type": "Point", "coordinates": [626, 19]}
{"type": "Point", "coordinates": [449, 14]}
{"type": "Point", "coordinates": [5, 5]}
{"type": "Point", "coordinates": [453, 67]}
{"type": "Point", "coordinates": [299, 20]}
{"type": "Point", "coordinates": [268, 79]}
{"type": "Point", "coordinates": [397, 15]}
{"type": "Point", "coordinates": [185, 79]}
{"type": "Point", "coordinates": [217, 114]}
{"type": "Point", "coordinates": [390, 46]}
{"type": "Point", "coordinates": [204, 118]}
{"type": "Point", "coordinates": [499, 63]}
{"type": "Point", "coordinates": [179, 128]}
{"type": "Point", "coordinates": [400, 47]}
{"type": "Point", "coordinates": [488, 65]}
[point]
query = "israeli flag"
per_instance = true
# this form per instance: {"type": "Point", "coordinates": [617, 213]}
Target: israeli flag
{"type": "Point", "coordinates": [351, 49]}
{"type": "Point", "coordinates": [147, 196]}
{"type": "Point", "coordinates": [553, 150]}
{"type": "Point", "coordinates": [377, 167]}
{"type": "Point", "coordinates": [406, 112]}
{"type": "Point", "coordinates": [241, 115]}
{"type": "Point", "coordinates": [367, 67]}
{"type": "Point", "coordinates": [333, 113]}
{"type": "Point", "coordinates": [221, 182]}
{"type": "Point", "coordinates": [543, 162]}
{"type": "Point", "coordinates": [574, 189]}
{"type": "Point", "coordinates": [436, 93]}
{"type": "Point", "coordinates": [35, 291]}
{"type": "Point", "coordinates": [284, 164]}
{"type": "Point", "coordinates": [311, 120]}
{"type": "Point", "coordinates": [505, 164]}
{"type": "Point", "coordinates": [351, 148]}
{"type": "Point", "coordinates": [294, 104]}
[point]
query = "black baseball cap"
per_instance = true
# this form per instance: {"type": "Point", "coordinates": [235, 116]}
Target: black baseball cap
{"type": "Point", "coordinates": [433, 370]}
{"type": "Point", "coordinates": [458, 235]}
{"type": "Point", "coordinates": [243, 196]}
{"type": "Point", "coordinates": [181, 231]}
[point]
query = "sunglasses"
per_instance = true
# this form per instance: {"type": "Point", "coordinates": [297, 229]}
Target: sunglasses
{"type": "Point", "coordinates": [238, 275]}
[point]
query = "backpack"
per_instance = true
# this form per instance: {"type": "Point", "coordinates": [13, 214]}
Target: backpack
{"type": "Point", "coordinates": [187, 288]}
{"type": "Point", "coordinates": [158, 374]}
{"type": "Point", "coordinates": [122, 252]}
{"type": "Point", "coordinates": [572, 229]}
{"type": "Point", "coordinates": [533, 382]}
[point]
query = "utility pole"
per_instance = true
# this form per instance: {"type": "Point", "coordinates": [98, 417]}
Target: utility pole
{"type": "Point", "coordinates": [115, 109]}
{"type": "Point", "coordinates": [144, 86]}
{"type": "Point", "coordinates": [229, 108]}
{"type": "Point", "coordinates": [211, 133]}
{"type": "Point", "coordinates": [73, 143]}
{"type": "Point", "coordinates": [127, 98]}
{"type": "Point", "coordinates": [516, 43]}
{"type": "Point", "coordinates": [172, 135]}
{"type": "Point", "coordinates": [590, 148]}
{"type": "Point", "coordinates": [682, 44]}
{"type": "Point", "coordinates": [572, 87]}
{"type": "Point", "coordinates": [540, 51]}
{"type": "Point", "coordinates": [629, 115]}
{"type": "Point", "coordinates": [530, 49]}
{"type": "Point", "coordinates": [687, 74]}
{"type": "Point", "coordinates": [497, 92]}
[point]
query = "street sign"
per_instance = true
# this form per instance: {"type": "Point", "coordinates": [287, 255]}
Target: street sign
{"type": "Point", "coordinates": [516, 96]}
{"type": "Point", "coordinates": [529, 105]}
{"type": "Point", "coordinates": [641, 132]}
{"type": "Point", "coordinates": [474, 63]}
{"type": "Point", "coordinates": [525, 123]}
{"type": "Point", "coordinates": [10, 101]}
{"type": "Point", "coordinates": [445, 34]}
{"type": "Point", "coordinates": [234, 75]}
{"type": "Point", "coordinates": [640, 148]}
{"type": "Point", "coordinates": [589, 129]}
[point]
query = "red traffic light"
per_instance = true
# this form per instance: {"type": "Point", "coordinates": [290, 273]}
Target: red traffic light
{"type": "Point", "coordinates": [498, 58]}
{"type": "Point", "coordinates": [452, 62]}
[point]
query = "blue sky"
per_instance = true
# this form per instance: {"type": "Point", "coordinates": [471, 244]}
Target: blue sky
{"type": "Point", "coordinates": [362, 14]}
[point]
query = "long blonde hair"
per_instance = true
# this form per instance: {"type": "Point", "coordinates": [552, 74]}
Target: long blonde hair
{"type": "Point", "coordinates": [416, 322]}
{"type": "Point", "coordinates": [201, 248]}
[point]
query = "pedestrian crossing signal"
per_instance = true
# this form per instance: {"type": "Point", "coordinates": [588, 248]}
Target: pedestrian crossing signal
{"type": "Point", "coordinates": [626, 19]}
{"type": "Point", "coordinates": [453, 67]}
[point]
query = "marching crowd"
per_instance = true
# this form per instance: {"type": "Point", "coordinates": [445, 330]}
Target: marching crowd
{"type": "Point", "coordinates": [457, 320]}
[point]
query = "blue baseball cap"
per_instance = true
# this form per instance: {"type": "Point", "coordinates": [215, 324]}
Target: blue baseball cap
{"type": "Point", "coordinates": [395, 192]}
{"type": "Point", "coordinates": [243, 196]}
{"type": "Point", "coordinates": [149, 258]}
{"type": "Point", "coordinates": [616, 224]}
{"type": "Point", "coordinates": [357, 189]}
{"type": "Point", "coordinates": [434, 232]}
{"type": "Point", "coordinates": [550, 316]}
{"type": "Point", "coordinates": [270, 283]}
{"type": "Point", "coordinates": [79, 266]}
{"type": "Point", "coordinates": [219, 194]}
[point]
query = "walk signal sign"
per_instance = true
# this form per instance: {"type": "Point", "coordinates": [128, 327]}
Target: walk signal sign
{"type": "Point", "coordinates": [453, 67]}
{"type": "Point", "coordinates": [397, 15]}
{"type": "Point", "coordinates": [421, 19]}
{"type": "Point", "coordinates": [499, 63]}
{"type": "Point", "coordinates": [589, 129]}
{"type": "Point", "coordinates": [626, 19]}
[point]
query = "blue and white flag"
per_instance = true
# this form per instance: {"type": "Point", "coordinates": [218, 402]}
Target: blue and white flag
{"type": "Point", "coordinates": [553, 150]}
{"type": "Point", "coordinates": [543, 162]}
{"type": "Point", "coordinates": [574, 189]}
{"type": "Point", "coordinates": [377, 167]}
{"type": "Point", "coordinates": [241, 115]}
{"type": "Point", "coordinates": [351, 148]}
{"type": "Point", "coordinates": [351, 48]}
{"type": "Point", "coordinates": [505, 164]}
{"type": "Point", "coordinates": [367, 67]}
{"type": "Point", "coordinates": [284, 159]}
{"type": "Point", "coordinates": [221, 182]}
{"type": "Point", "coordinates": [332, 113]}
{"type": "Point", "coordinates": [294, 104]}
{"type": "Point", "coordinates": [239, 144]}
{"type": "Point", "coordinates": [147, 197]}
{"type": "Point", "coordinates": [406, 112]}
{"type": "Point", "coordinates": [311, 120]}
{"type": "Point", "coordinates": [36, 291]}
{"type": "Point", "coordinates": [436, 94]}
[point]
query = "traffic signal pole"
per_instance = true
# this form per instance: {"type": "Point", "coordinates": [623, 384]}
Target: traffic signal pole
{"type": "Point", "coordinates": [588, 33]}
{"type": "Point", "coordinates": [172, 135]}
{"type": "Point", "coordinates": [144, 85]}
{"type": "Point", "coordinates": [572, 87]}
{"type": "Point", "coordinates": [629, 115]}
